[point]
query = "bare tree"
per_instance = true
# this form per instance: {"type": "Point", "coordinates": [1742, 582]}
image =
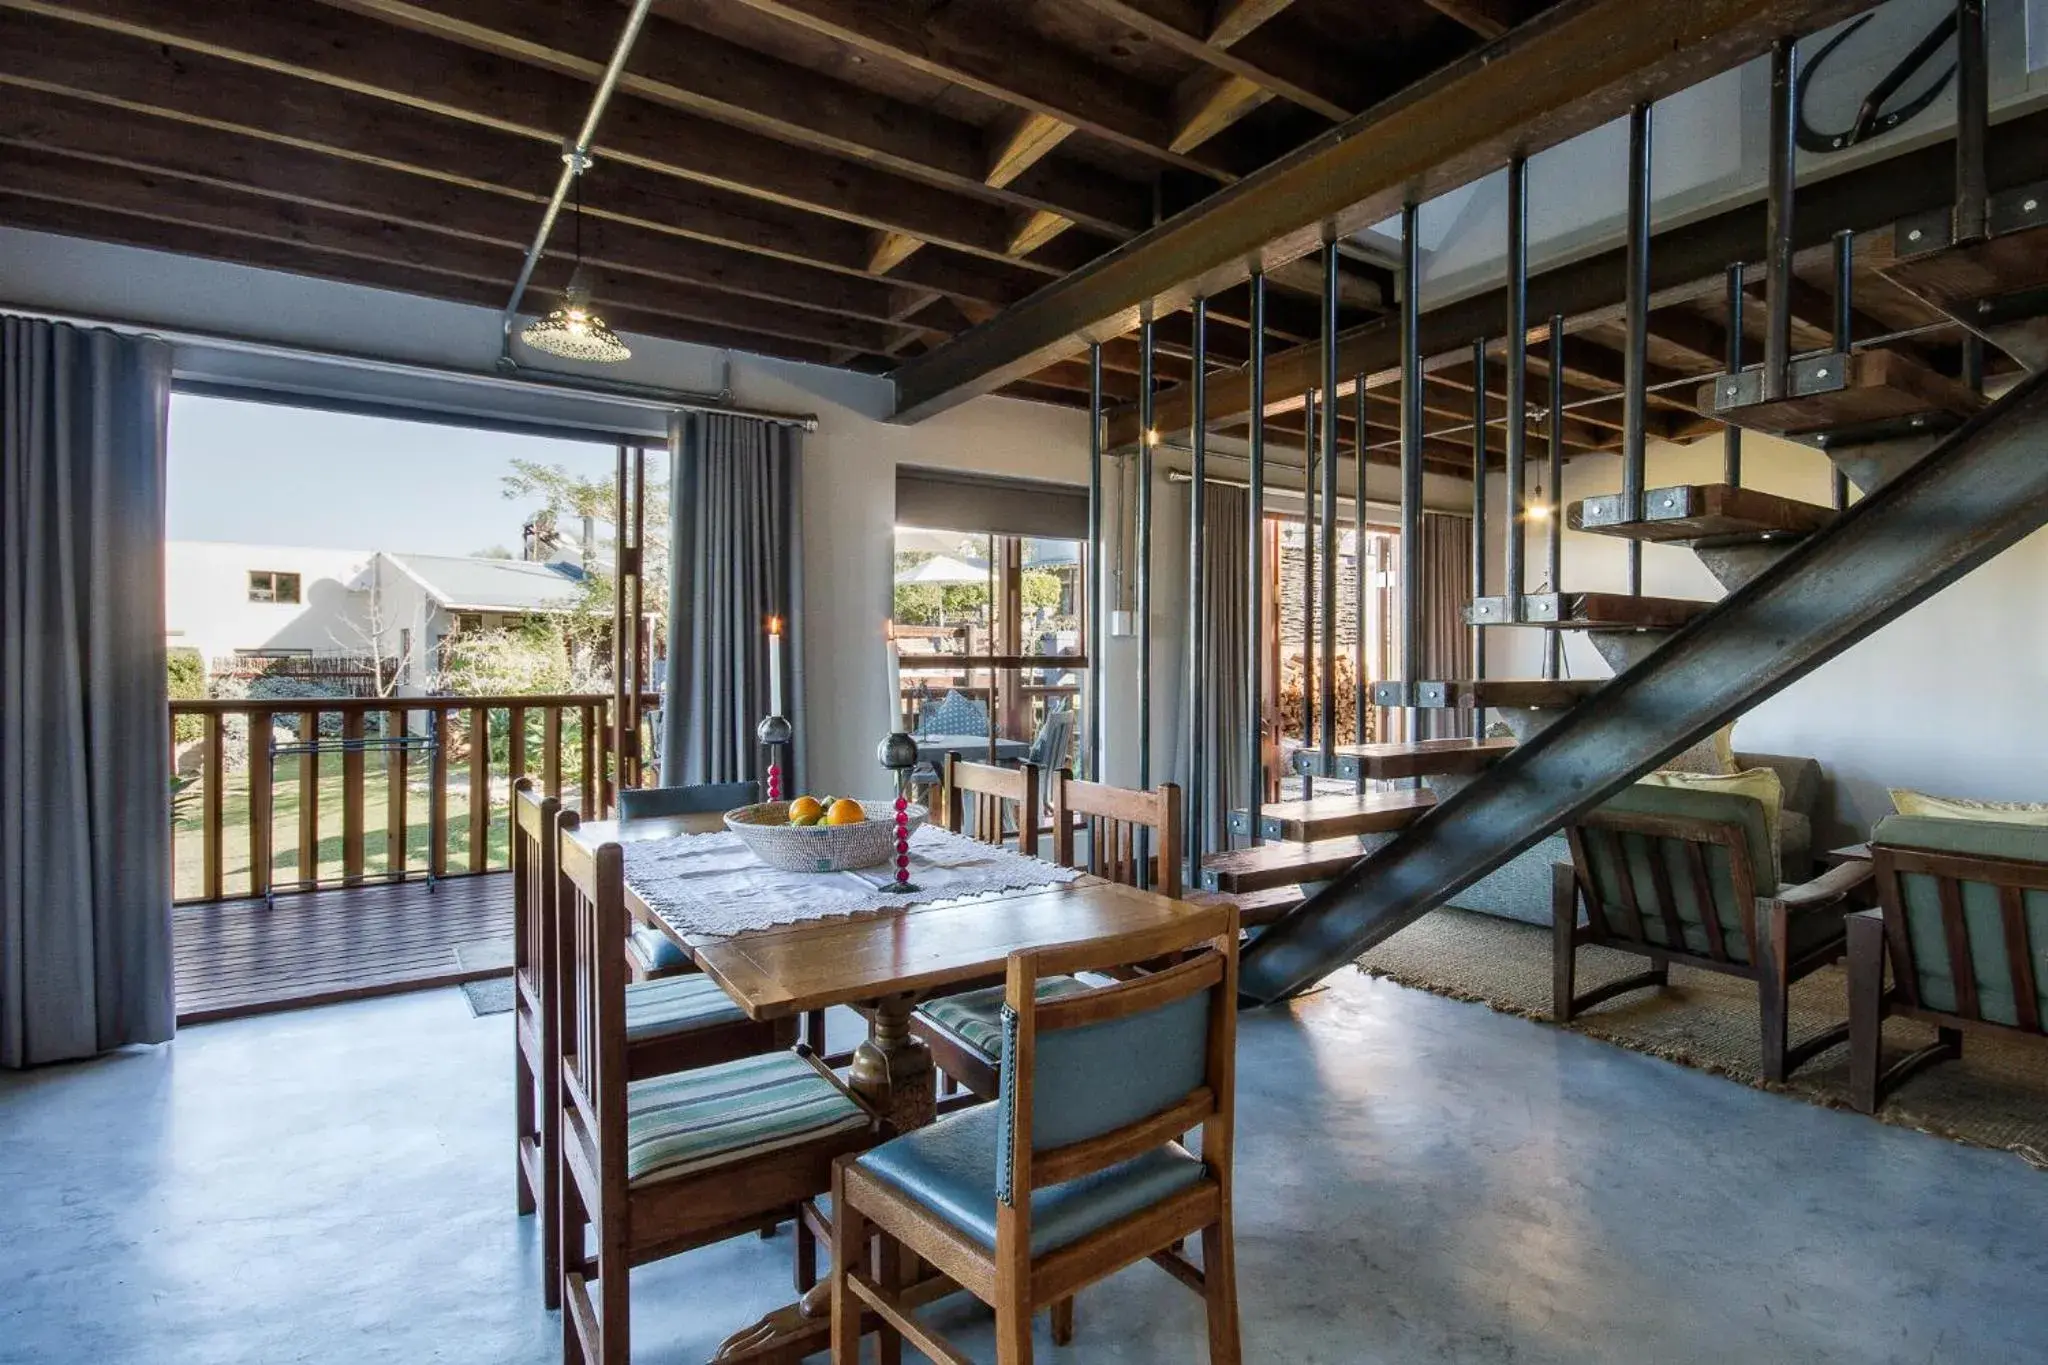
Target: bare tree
{"type": "Point", "coordinates": [367, 633]}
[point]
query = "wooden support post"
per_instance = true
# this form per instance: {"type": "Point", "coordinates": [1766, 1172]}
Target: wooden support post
{"type": "Point", "coordinates": [479, 788]}
{"type": "Point", "coordinates": [261, 782]}
{"type": "Point", "coordinates": [352, 797]}
{"type": "Point", "coordinates": [309, 799]}
{"type": "Point", "coordinates": [213, 774]}
{"type": "Point", "coordinates": [437, 793]}
{"type": "Point", "coordinates": [397, 765]}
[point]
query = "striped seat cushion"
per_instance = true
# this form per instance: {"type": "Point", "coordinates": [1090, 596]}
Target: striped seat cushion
{"type": "Point", "coordinates": [657, 951]}
{"type": "Point", "coordinates": [677, 1004]}
{"type": "Point", "coordinates": [975, 1017]}
{"type": "Point", "coordinates": [697, 1121]}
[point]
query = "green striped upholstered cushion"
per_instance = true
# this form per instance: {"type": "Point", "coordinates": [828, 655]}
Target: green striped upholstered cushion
{"type": "Point", "coordinates": [677, 1004]}
{"type": "Point", "coordinates": [656, 950]}
{"type": "Point", "coordinates": [696, 1121]}
{"type": "Point", "coordinates": [1983, 912]}
{"type": "Point", "coordinates": [975, 1017]}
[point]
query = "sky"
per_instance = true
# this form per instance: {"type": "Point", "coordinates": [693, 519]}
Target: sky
{"type": "Point", "coordinates": [271, 475]}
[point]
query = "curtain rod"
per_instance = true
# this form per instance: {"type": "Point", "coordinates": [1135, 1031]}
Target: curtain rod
{"type": "Point", "coordinates": [526, 379]}
{"type": "Point", "coordinates": [1372, 504]}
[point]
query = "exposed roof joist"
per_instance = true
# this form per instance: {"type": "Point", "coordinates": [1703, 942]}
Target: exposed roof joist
{"type": "Point", "coordinates": [1568, 70]}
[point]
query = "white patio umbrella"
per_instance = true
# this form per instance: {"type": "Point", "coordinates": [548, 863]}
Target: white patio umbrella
{"type": "Point", "coordinates": [940, 570]}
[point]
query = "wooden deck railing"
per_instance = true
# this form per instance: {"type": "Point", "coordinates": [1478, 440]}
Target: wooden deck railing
{"type": "Point", "coordinates": [305, 819]}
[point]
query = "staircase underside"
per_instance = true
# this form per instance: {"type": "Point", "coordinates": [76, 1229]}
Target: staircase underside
{"type": "Point", "coordinates": [1977, 493]}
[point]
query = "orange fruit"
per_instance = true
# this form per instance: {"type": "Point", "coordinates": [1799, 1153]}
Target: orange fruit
{"type": "Point", "coordinates": [805, 810]}
{"type": "Point", "coordinates": [845, 811]}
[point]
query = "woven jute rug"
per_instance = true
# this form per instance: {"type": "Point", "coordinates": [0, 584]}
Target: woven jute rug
{"type": "Point", "coordinates": [1995, 1096]}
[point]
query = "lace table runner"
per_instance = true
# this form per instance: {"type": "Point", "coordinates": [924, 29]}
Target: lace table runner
{"type": "Point", "coordinates": [711, 883]}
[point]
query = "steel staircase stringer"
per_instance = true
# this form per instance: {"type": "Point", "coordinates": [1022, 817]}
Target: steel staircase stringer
{"type": "Point", "coordinates": [1981, 490]}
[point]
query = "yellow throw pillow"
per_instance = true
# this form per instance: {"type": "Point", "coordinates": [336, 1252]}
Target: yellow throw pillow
{"type": "Point", "coordinates": [1713, 756]}
{"type": "Point", "coordinates": [1763, 784]}
{"type": "Point", "coordinates": [1907, 802]}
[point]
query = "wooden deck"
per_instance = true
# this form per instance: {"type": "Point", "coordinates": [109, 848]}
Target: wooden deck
{"type": "Point", "coordinates": [236, 957]}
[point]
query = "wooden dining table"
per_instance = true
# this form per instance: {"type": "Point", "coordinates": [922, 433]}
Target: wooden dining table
{"type": "Point", "coordinates": [881, 965]}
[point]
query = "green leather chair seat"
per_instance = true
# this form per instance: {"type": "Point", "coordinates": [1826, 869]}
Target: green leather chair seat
{"type": "Point", "coordinates": [1982, 913]}
{"type": "Point", "coordinates": [695, 1121]}
{"type": "Point", "coordinates": [677, 1004]}
{"type": "Point", "coordinates": [951, 1168]}
{"type": "Point", "coordinates": [975, 1017]}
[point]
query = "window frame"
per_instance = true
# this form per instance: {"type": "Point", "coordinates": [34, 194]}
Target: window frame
{"type": "Point", "coordinates": [271, 595]}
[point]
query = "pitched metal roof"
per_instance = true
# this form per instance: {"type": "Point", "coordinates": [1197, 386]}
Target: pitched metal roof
{"type": "Point", "coordinates": [464, 584]}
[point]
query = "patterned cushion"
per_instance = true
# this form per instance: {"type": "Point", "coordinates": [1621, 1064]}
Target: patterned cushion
{"type": "Point", "coordinates": [1713, 756]}
{"type": "Point", "coordinates": [677, 1004]}
{"type": "Point", "coordinates": [976, 1016]}
{"type": "Point", "coordinates": [657, 951]}
{"type": "Point", "coordinates": [958, 714]}
{"type": "Point", "coordinates": [1907, 802]}
{"type": "Point", "coordinates": [696, 1121]}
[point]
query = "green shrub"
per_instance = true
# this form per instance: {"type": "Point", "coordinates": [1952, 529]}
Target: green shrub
{"type": "Point", "coordinates": [185, 672]}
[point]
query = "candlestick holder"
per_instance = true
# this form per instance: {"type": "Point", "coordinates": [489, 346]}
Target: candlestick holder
{"type": "Point", "coordinates": [776, 735]}
{"type": "Point", "coordinates": [898, 753]}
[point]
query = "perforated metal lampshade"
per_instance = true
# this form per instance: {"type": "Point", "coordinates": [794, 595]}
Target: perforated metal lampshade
{"type": "Point", "coordinates": [574, 331]}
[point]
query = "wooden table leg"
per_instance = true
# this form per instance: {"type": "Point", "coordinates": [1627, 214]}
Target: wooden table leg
{"type": "Point", "coordinates": [893, 1072]}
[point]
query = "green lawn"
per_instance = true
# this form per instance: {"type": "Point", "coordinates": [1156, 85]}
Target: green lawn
{"type": "Point", "coordinates": [189, 844]}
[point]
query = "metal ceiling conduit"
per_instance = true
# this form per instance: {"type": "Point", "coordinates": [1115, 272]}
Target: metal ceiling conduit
{"type": "Point", "coordinates": [575, 157]}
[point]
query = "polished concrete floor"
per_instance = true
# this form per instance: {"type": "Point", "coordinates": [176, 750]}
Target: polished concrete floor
{"type": "Point", "coordinates": [1418, 1180]}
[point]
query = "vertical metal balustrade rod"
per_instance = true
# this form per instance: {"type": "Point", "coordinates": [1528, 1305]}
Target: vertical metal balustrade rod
{"type": "Point", "coordinates": [1731, 435]}
{"type": "Point", "coordinates": [1479, 512]}
{"type": "Point", "coordinates": [1411, 460]}
{"type": "Point", "coordinates": [1844, 327]}
{"type": "Point", "coordinates": [1516, 420]}
{"type": "Point", "coordinates": [1360, 693]}
{"type": "Point", "coordinates": [1195, 802]}
{"type": "Point", "coordinates": [1309, 411]}
{"type": "Point", "coordinates": [1147, 438]}
{"type": "Point", "coordinates": [1973, 120]}
{"type": "Point", "coordinates": [1635, 367]}
{"type": "Point", "coordinates": [1092, 757]}
{"type": "Point", "coordinates": [1553, 545]}
{"type": "Point", "coordinates": [1255, 555]}
{"type": "Point", "coordinates": [1784, 152]}
{"type": "Point", "coordinates": [1326, 688]}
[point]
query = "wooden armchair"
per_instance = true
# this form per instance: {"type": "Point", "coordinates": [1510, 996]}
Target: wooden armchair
{"type": "Point", "coordinates": [1963, 918]}
{"type": "Point", "coordinates": [1079, 1171]}
{"type": "Point", "coordinates": [1685, 876]}
{"type": "Point", "coordinates": [672, 1025]}
{"type": "Point", "coordinates": [661, 1164]}
{"type": "Point", "coordinates": [650, 953]}
{"type": "Point", "coordinates": [986, 802]}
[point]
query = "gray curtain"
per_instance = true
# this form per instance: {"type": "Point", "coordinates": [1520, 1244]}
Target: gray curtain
{"type": "Point", "coordinates": [1446, 592]}
{"type": "Point", "coordinates": [735, 559]}
{"type": "Point", "coordinates": [1220, 728]}
{"type": "Point", "coordinates": [85, 818]}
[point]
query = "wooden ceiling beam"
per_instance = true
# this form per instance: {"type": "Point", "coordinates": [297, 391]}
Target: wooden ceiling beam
{"type": "Point", "coordinates": [321, 44]}
{"type": "Point", "coordinates": [701, 72]}
{"type": "Point", "coordinates": [1184, 26]}
{"type": "Point", "coordinates": [1487, 18]}
{"type": "Point", "coordinates": [304, 255]}
{"type": "Point", "coordinates": [743, 239]}
{"type": "Point", "coordinates": [980, 48]}
{"type": "Point", "coordinates": [1571, 69]}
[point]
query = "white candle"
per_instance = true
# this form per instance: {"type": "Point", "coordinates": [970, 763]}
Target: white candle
{"type": "Point", "coordinates": [775, 665]}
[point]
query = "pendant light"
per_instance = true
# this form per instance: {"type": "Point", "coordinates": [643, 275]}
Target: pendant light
{"type": "Point", "coordinates": [573, 330]}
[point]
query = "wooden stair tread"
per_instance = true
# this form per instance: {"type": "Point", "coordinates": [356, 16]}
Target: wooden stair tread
{"type": "Point", "coordinates": [1706, 511]}
{"type": "Point", "coordinates": [1394, 761]}
{"type": "Point", "coordinates": [1882, 387]}
{"type": "Point", "coordinates": [1956, 279]}
{"type": "Point", "coordinates": [1520, 693]}
{"type": "Point", "coordinates": [1587, 611]}
{"type": "Point", "coordinates": [1266, 866]}
{"type": "Point", "coordinates": [1254, 908]}
{"type": "Point", "coordinates": [1330, 817]}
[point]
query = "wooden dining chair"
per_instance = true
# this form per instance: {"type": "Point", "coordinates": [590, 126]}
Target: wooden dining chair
{"type": "Point", "coordinates": [1127, 832]}
{"type": "Point", "coordinates": [672, 1025]}
{"type": "Point", "coordinates": [987, 802]}
{"type": "Point", "coordinates": [963, 1030]}
{"type": "Point", "coordinates": [1079, 1171]}
{"type": "Point", "coordinates": [650, 952]}
{"type": "Point", "coordinates": [659, 1164]}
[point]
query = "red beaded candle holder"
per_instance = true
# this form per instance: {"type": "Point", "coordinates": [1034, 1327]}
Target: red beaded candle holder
{"type": "Point", "coordinates": [902, 843]}
{"type": "Point", "coordinates": [774, 781]}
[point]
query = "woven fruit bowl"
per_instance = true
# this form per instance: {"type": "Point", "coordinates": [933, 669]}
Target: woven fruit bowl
{"type": "Point", "coordinates": [766, 831]}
